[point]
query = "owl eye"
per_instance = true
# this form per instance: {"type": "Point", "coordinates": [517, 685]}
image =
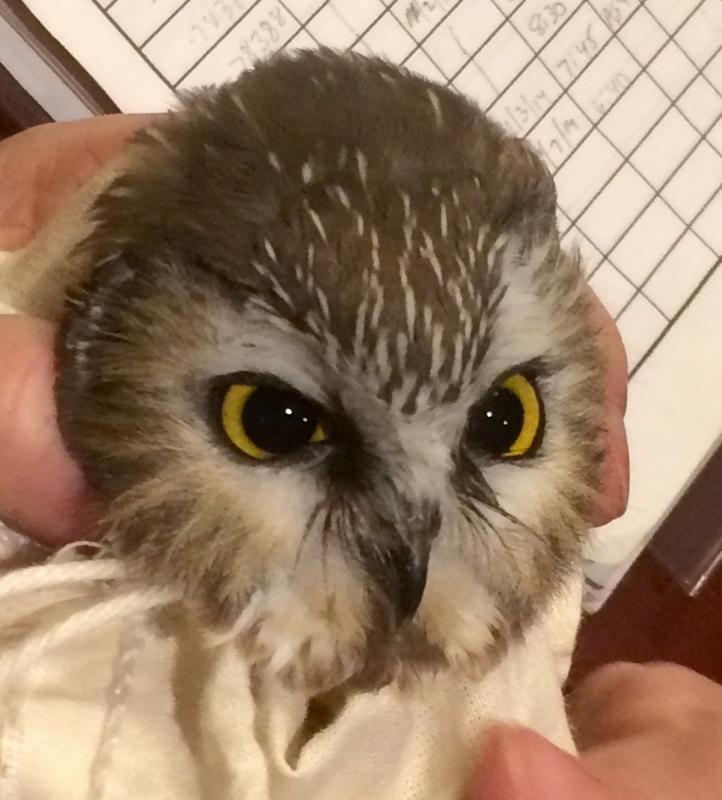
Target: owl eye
{"type": "Point", "coordinates": [264, 421]}
{"type": "Point", "coordinates": [509, 421]}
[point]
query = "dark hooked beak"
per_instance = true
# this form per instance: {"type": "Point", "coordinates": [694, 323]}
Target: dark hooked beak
{"type": "Point", "coordinates": [399, 567]}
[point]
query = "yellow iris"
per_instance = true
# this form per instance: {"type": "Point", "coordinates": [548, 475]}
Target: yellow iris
{"type": "Point", "coordinates": [278, 422]}
{"type": "Point", "coordinates": [527, 395]}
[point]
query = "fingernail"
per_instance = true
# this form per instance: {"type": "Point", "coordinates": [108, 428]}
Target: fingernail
{"type": "Point", "coordinates": [519, 764]}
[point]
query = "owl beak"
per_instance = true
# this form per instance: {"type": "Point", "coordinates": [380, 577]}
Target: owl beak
{"type": "Point", "coordinates": [400, 570]}
{"type": "Point", "coordinates": [410, 579]}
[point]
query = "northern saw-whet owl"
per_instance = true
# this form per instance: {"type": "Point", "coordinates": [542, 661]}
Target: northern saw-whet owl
{"type": "Point", "coordinates": [331, 373]}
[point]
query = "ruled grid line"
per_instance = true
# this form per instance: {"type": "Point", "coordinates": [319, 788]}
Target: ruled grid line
{"type": "Point", "coordinates": [594, 126]}
{"type": "Point", "coordinates": [422, 24]}
{"type": "Point", "coordinates": [162, 25]}
{"type": "Point", "coordinates": [625, 161]}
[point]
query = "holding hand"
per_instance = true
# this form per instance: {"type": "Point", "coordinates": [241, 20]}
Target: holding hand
{"type": "Point", "coordinates": [42, 492]}
{"type": "Point", "coordinates": [647, 732]}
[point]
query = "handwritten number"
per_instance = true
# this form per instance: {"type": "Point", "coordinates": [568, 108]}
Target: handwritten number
{"type": "Point", "coordinates": [537, 24]}
{"type": "Point", "coordinates": [262, 40]}
{"type": "Point", "coordinates": [413, 14]}
{"type": "Point", "coordinates": [588, 45]}
{"type": "Point", "coordinates": [269, 30]}
{"type": "Point", "coordinates": [277, 15]}
{"type": "Point", "coordinates": [569, 71]}
{"type": "Point", "coordinates": [556, 12]}
{"type": "Point", "coordinates": [549, 17]}
{"type": "Point", "coordinates": [609, 93]}
{"type": "Point", "coordinates": [612, 15]}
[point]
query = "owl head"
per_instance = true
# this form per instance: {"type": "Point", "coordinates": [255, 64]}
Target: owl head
{"type": "Point", "coordinates": [333, 375]}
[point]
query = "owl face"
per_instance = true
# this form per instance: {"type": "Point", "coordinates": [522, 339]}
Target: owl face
{"type": "Point", "coordinates": [332, 373]}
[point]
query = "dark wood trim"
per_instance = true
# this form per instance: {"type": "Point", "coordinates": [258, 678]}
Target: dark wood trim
{"type": "Point", "coordinates": [57, 57]}
{"type": "Point", "coordinates": [689, 543]}
{"type": "Point", "coordinates": [18, 110]}
{"type": "Point", "coordinates": [651, 615]}
{"type": "Point", "coordinates": [650, 618]}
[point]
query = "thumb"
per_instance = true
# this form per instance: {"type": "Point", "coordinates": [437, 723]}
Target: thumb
{"type": "Point", "coordinates": [518, 764]}
{"type": "Point", "coordinates": [42, 493]}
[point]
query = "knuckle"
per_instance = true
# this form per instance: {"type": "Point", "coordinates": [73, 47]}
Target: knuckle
{"type": "Point", "coordinates": [668, 693]}
{"type": "Point", "coordinates": [619, 676]}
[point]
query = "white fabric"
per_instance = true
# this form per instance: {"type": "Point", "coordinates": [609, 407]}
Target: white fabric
{"type": "Point", "coordinates": [108, 692]}
{"type": "Point", "coordinates": [102, 698]}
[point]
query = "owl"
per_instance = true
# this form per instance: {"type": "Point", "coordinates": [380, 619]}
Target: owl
{"type": "Point", "coordinates": [331, 374]}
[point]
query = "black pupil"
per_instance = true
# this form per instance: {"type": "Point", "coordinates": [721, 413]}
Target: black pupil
{"type": "Point", "coordinates": [495, 424]}
{"type": "Point", "coordinates": [279, 421]}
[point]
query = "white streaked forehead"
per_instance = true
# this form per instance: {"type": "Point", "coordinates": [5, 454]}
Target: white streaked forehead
{"type": "Point", "coordinates": [526, 325]}
{"type": "Point", "coordinates": [256, 340]}
{"type": "Point", "coordinates": [403, 352]}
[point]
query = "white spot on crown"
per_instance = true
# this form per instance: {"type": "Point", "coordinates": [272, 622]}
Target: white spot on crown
{"type": "Point", "coordinates": [362, 165]}
{"type": "Point", "coordinates": [307, 172]}
{"type": "Point", "coordinates": [436, 106]}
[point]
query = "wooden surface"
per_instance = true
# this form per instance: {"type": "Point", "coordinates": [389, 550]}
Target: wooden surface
{"type": "Point", "coordinates": [690, 542]}
{"type": "Point", "coordinates": [649, 616]}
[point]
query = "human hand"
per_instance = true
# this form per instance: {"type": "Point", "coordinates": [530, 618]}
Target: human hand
{"type": "Point", "coordinates": [614, 483]}
{"type": "Point", "coordinates": [41, 490]}
{"type": "Point", "coordinates": [646, 732]}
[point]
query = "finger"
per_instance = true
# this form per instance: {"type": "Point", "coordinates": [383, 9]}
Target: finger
{"type": "Point", "coordinates": [620, 701]}
{"type": "Point", "coordinates": [518, 764]}
{"type": "Point", "coordinates": [598, 706]}
{"type": "Point", "coordinates": [42, 492]}
{"type": "Point", "coordinates": [614, 479]}
{"type": "Point", "coordinates": [41, 166]}
{"type": "Point", "coordinates": [613, 354]}
{"type": "Point", "coordinates": [613, 490]}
